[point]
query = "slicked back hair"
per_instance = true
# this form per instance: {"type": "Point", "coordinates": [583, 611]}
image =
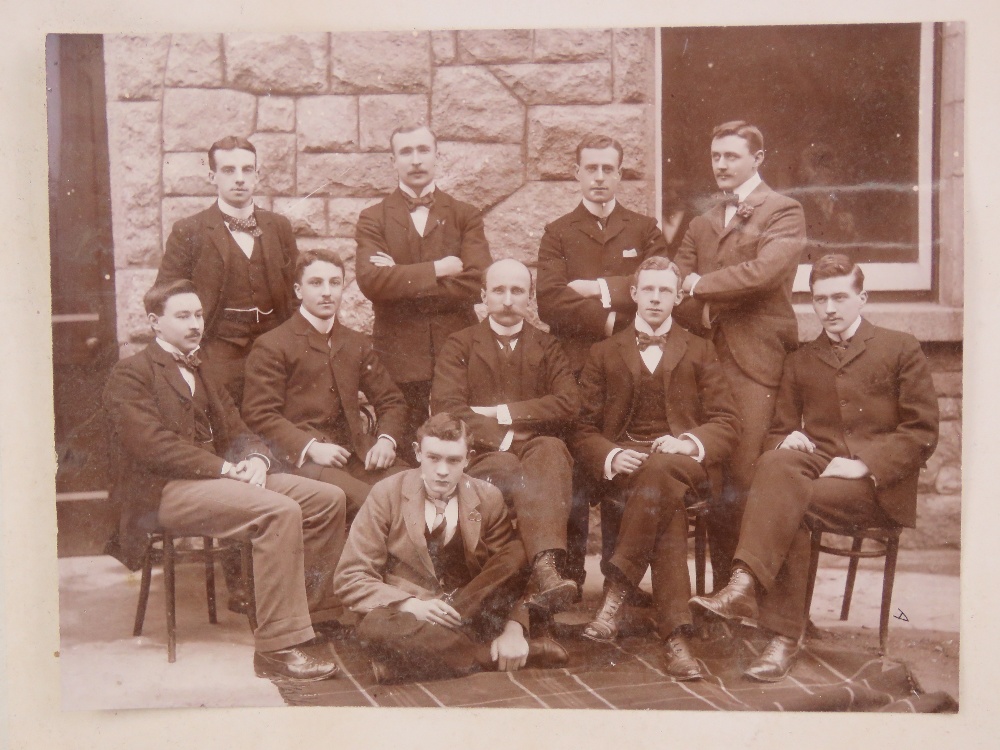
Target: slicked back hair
{"type": "Point", "coordinates": [749, 133]}
{"type": "Point", "coordinates": [308, 257]}
{"type": "Point", "coordinates": [597, 140]}
{"type": "Point", "coordinates": [656, 263]}
{"type": "Point", "coordinates": [835, 265]}
{"type": "Point", "coordinates": [155, 300]}
{"type": "Point", "coordinates": [445, 426]}
{"type": "Point", "coordinates": [412, 127]}
{"type": "Point", "coordinates": [229, 143]}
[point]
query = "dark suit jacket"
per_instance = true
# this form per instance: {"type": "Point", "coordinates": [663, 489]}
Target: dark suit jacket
{"type": "Point", "coordinates": [199, 248]}
{"type": "Point", "coordinates": [151, 414]}
{"type": "Point", "coordinates": [290, 374]}
{"type": "Point", "coordinates": [385, 559]}
{"type": "Point", "coordinates": [415, 312]}
{"type": "Point", "coordinates": [747, 270]}
{"type": "Point", "coordinates": [698, 398]}
{"type": "Point", "coordinates": [467, 374]}
{"type": "Point", "coordinates": [878, 405]}
{"type": "Point", "coordinates": [573, 247]}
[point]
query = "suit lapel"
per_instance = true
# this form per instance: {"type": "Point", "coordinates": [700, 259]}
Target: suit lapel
{"type": "Point", "coordinates": [757, 196]}
{"type": "Point", "coordinates": [673, 351]}
{"type": "Point", "coordinates": [413, 517]}
{"type": "Point", "coordinates": [409, 239]}
{"type": "Point", "coordinates": [858, 342]}
{"type": "Point", "coordinates": [470, 522]}
{"type": "Point", "coordinates": [586, 222]}
{"type": "Point", "coordinates": [436, 214]}
{"type": "Point", "coordinates": [532, 355]}
{"type": "Point", "coordinates": [345, 377]}
{"type": "Point", "coordinates": [271, 248]}
{"type": "Point", "coordinates": [616, 223]}
{"type": "Point", "coordinates": [221, 238]}
{"type": "Point", "coordinates": [170, 368]}
{"type": "Point", "coordinates": [486, 349]}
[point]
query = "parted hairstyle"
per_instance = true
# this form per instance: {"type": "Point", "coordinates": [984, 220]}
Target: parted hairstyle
{"type": "Point", "coordinates": [656, 263]}
{"type": "Point", "coordinates": [155, 300]}
{"type": "Point", "coordinates": [410, 128]}
{"type": "Point", "coordinates": [308, 257]}
{"type": "Point", "coordinates": [229, 143]}
{"type": "Point", "coordinates": [597, 140]}
{"type": "Point", "coordinates": [750, 133]}
{"type": "Point", "coordinates": [445, 426]}
{"type": "Point", "coordinates": [835, 265]}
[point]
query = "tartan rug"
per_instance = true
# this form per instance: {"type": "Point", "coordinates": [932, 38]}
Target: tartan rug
{"type": "Point", "coordinates": [629, 675]}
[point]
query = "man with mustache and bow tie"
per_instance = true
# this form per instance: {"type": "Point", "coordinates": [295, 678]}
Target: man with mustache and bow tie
{"type": "Point", "coordinates": [421, 254]}
{"type": "Point", "coordinates": [657, 419]}
{"type": "Point", "coordinates": [856, 418]}
{"type": "Point", "coordinates": [185, 462]}
{"type": "Point", "coordinates": [738, 263]}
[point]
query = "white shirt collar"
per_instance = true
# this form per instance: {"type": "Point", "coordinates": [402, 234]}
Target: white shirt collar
{"type": "Point", "coordinates": [410, 192]}
{"type": "Point", "coordinates": [642, 325]}
{"type": "Point", "coordinates": [600, 210]}
{"type": "Point", "coordinates": [744, 190]}
{"type": "Point", "coordinates": [239, 213]}
{"type": "Point", "coordinates": [323, 326]}
{"type": "Point", "coordinates": [171, 349]}
{"type": "Point", "coordinates": [849, 333]}
{"type": "Point", "coordinates": [500, 330]}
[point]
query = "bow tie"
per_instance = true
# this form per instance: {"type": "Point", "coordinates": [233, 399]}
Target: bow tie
{"type": "Point", "coordinates": [414, 203]}
{"type": "Point", "coordinates": [841, 344]}
{"type": "Point", "coordinates": [190, 361]}
{"type": "Point", "coordinates": [726, 198]}
{"type": "Point", "coordinates": [248, 225]}
{"type": "Point", "coordinates": [645, 340]}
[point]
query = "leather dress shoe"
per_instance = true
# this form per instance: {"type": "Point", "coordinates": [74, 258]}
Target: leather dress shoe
{"type": "Point", "coordinates": [604, 627]}
{"type": "Point", "coordinates": [293, 664]}
{"type": "Point", "coordinates": [736, 601]}
{"type": "Point", "coordinates": [545, 653]}
{"type": "Point", "coordinates": [550, 591]}
{"type": "Point", "coordinates": [681, 665]}
{"type": "Point", "coordinates": [775, 661]}
{"type": "Point", "coordinates": [637, 597]}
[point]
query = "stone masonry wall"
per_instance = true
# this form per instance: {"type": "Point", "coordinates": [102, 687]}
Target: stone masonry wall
{"type": "Point", "coordinates": [508, 106]}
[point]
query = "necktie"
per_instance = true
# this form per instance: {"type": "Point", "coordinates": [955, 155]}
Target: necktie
{"type": "Point", "coordinates": [728, 199]}
{"type": "Point", "coordinates": [435, 534]}
{"type": "Point", "coordinates": [645, 340]}
{"type": "Point", "coordinates": [505, 343]}
{"type": "Point", "coordinates": [190, 361]}
{"type": "Point", "coordinates": [248, 225]}
{"type": "Point", "coordinates": [840, 347]}
{"type": "Point", "coordinates": [424, 200]}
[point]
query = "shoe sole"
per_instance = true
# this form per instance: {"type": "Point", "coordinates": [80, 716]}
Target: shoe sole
{"type": "Point", "coordinates": [554, 600]}
{"type": "Point", "coordinates": [265, 673]}
{"type": "Point", "coordinates": [742, 619]}
{"type": "Point", "coordinates": [757, 678]}
{"type": "Point", "coordinates": [598, 639]}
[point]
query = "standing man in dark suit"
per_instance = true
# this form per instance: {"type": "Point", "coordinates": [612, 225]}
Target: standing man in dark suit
{"type": "Point", "coordinates": [434, 566]}
{"type": "Point", "coordinates": [186, 463]}
{"type": "Point", "coordinates": [303, 380]}
{"type": "Point", "coordinates": [657, 420]}
{"type": "Point", "coordinates": [421, 254]}
{"type": "Point", "coordinates": [739, 261]}
{"type": "Point", "coordinates": [585, 264]}
{"type": "Point", "coordinates": [512, 384]}
{"type": "Point", "coordinates": [857, 416]}
{"type": "Point", "coordinates": [241, 260]}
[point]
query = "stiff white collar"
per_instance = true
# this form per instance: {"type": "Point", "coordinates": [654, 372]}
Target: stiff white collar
{"type": "Point", "coordinates": [600, 210]}
{"type": "Point", "coordinates": [321, 325]}
{"type": "Point", "coordinates": [500, 330]}
{"type": "Point", "coordinates": [239, 213]}
{"type": "Point", "coordinates": [642, 325]}
{"type": "Point", "coordinates": [748, 187]}
{"type": "Point", "coordinates": [409, 191]}
{"type": "Point", "coordinates": [171, 349]}
{"type": "Point", "coordinates": [849, 333]}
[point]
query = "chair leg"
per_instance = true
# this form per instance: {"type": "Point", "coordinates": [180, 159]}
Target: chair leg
{"type": "Point", "coordinates": [888, 579]}
{"type": "Point", "coordinates": [700, 540]}
{"type": "Point", "coordinates": [852, 574]}
{"type": "Point", "coordinates": [168, 585]}
{"type": "Point", "coordinates": [210, 577]}
{"type": "Point", "coordinates": [147, 576]}
{"type": "Point", "coordinates": [815, 542]}
{"type": "Point", "coordinates": [246, 560]}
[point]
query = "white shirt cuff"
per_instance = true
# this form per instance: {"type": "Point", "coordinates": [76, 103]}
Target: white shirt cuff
{"type": "Point", "coordinates": [605, 293]}
{"type": "Point", "coordinates": [503, 415]}
{"type": "Point", "coordinates": [694, 286]}
{"type": "Point", "coordinates": [226, 466]}
{"type": "Point", "coordinates": [390, 438]}
{"type": "Point", "coordinates": [302, 456]}
{"type": "Point", "coordinates": [262, 457]}
{"type": "Point", "coordinates": [609, 324]}
{"type": "Point", "coordinates": [507, 440]}
{"type": "Point", "coordinates": [608, 473]}
{"type": "Point", "coordinates": [701, 448]}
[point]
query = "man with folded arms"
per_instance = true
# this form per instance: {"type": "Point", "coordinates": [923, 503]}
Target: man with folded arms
{"type": "Point", "coordinates": [303, 380]}
{"type": "Point", "coordinates": [435, 568]}
{"type": "Point", "coordinates": [186, 463]}
{"type": "Point", "coordinates": [512, 384]}
{"type": "Point", "coordinates": [657, 419]}
{"type": "Point", "coordinates": [856, 417]}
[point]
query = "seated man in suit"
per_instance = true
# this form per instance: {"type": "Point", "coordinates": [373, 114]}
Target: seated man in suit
{"type": "Point", "coordinates": [512, 384]}
{"type": "Point", "coordinates": [856, 417]}
{"type": "Point", "coordinates": [302, 389]}
{"type": "Point", "coordinates": [657, 419]}
{"type": "Point", "coordinates": [434, 565]}
{"type": "Point", "coordinates": [186, 463]}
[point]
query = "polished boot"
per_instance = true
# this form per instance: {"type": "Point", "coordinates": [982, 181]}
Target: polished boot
{"type": "Point", "coordinates": [775, 661]}
{"type": "Point", "coordinates": [681, 665]}
{"type": "Point", "coordinates": [604, 627]}
{"type": "Point", "coordinates": [736, 601]}
{"type": "Point", "coordinates": [550, 591]}
{"type": "Point", "coordinates": [545, 653]}
{"type": "Point", "coordinates": [293, 664]}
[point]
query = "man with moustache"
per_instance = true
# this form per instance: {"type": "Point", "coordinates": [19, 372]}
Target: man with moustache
{"type": "Point", "coordinates": [738, 262]}
{"type": "Point", "coordinates": [421, 254]}
{"type": "Point", "coordinates": [186, 463]}
{"type": "Point", "coordinates": [857, 417]}
{"type": "Point", "coordinates": [513, 386]}
{"type": "Point", "coordinates": [657, 420]}
{"type": "Point", "coordinates": [434, 566]}
{"type": "Point", "coordinates": [303, 380]}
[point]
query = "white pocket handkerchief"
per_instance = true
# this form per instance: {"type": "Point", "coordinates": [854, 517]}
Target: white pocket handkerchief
{"type": "Point", "coordinates": [630, 253]}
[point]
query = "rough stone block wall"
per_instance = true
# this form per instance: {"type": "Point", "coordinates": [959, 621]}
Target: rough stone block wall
{"type": "Point", "coordinates": [508, 106]}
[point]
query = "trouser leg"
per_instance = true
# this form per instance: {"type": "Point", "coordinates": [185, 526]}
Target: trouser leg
{"type": "Point", "coordinates": [352, 478]}
{"type": "Point", "coordinates": [578, 527]}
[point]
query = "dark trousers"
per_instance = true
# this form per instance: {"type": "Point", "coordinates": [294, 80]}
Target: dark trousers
{"type": "Point", "coordinates": [755, 403]}
{"type": "Point", "coordinates": [536, 479]}
{"type": "Point", "coordinates": [653, 531]}
{"type": "Point", "coordinates": [418, 403]}
{"type": "Point", "coordinates": [353, 478]}
{"type": "Point", "coordinates": [774, 542]}
{"type": "Point", "coordinates": [422, 650]}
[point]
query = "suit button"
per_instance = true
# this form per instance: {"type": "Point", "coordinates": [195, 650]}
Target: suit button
{"type": "Point", "coordinates": [843, 402]}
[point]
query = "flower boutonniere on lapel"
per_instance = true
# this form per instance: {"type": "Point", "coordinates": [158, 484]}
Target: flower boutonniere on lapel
{"type": "Point", "coordinates": [744, 210]}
